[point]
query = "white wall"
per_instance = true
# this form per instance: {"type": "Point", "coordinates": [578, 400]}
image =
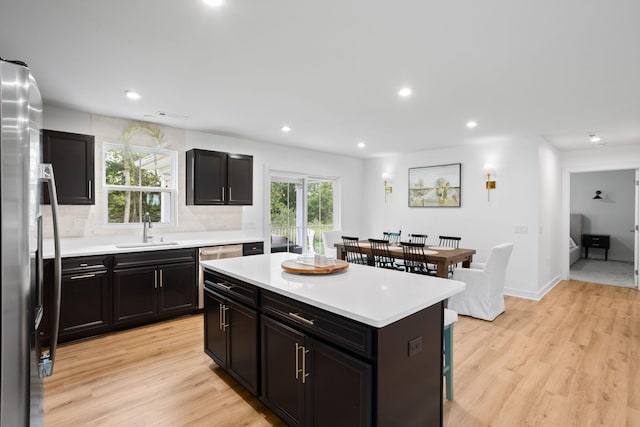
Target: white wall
{"type": "Point", "coordinates": [613, 215]}
{"type": "Point", "coordinates": [83, 221]}
{"type": "Point", "coordinates": [550, 243]}
{"type": "Point", "coordinates": [482, 224]}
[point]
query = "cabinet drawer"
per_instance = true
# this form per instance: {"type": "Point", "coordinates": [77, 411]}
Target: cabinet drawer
{"type": "Point", "coordinates": [255, 248]}
{"type": "Point", "coordinates": [342, 332]}
{"type": "Point", "coordinates": [231, 288]}
{"type": "Point", "coordinates": [84, 264]}
{"type": "Point", "coordinates": [595, 241]}
{"type": "Point", "coordinates": [138, 259]}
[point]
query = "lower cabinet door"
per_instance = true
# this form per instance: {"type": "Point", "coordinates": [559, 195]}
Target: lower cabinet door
{"type": "Point", "coordinates": [215, 336]}
{"type": "Point", "coordinates": [135, 295]}
{"type": "Point", "coordinates": [177, 288]}
{"type": "Point", "coordinates": [282, 386]}
{"type": "Point", "coordinates": [338, 388]}
{"type": "Point", "coordinates": [242, 349]}
{"type": "Point", "coordinates": [86, 305]}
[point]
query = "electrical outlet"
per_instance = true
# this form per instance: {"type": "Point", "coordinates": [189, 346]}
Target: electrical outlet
{"type": "Point", "coordinates": [415, 346]}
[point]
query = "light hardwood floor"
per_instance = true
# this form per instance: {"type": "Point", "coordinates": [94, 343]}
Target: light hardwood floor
{"type": "Point", "coordinates": [572, 359]}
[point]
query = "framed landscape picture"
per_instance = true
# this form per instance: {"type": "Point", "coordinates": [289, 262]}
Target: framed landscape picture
{"type": "Point", "coordinates": [435, 186]}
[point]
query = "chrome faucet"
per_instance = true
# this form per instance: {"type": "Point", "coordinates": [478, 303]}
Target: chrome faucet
{"type": "Point", "coordinates": [146, 224]}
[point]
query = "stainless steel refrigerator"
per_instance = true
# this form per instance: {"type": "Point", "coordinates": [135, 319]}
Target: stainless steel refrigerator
{"type": "Point", "coordinates": [23, 363]}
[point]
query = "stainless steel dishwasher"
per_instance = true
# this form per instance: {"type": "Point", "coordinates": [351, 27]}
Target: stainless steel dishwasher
{"type": "Point", "coordinates": [214, 252]}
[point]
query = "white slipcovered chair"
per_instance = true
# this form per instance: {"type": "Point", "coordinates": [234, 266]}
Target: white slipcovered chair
{"type": "Point", "coordinates": [329, 239]}
{"type": "Point", "coordinates": [483, 296]}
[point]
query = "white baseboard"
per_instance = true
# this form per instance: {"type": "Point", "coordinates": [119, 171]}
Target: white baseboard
{"type": "Point", "coordinates": [535, 296]}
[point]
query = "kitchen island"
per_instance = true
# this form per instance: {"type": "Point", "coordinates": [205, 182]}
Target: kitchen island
{"type": "Point", "coordinates": [361, 347]}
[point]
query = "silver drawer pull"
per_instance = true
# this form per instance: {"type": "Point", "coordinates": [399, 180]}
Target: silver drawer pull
{"type": "Point", "coordinates": [82, 276]}
{"type": "Point", "coordinates": [301, 319]}
{"type": "Point", "coordinates": [222, 285]}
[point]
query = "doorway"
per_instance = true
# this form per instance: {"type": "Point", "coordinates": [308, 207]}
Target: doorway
{"type": "Point", "coordinates": [603, 244]}
{"type": "Point", "coordinates": [301, 208]}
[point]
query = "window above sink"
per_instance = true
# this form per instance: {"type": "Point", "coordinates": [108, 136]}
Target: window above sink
{"type": "Point", "coordinates": [139, 180]}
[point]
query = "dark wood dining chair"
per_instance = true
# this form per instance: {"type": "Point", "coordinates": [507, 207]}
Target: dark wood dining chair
{"type": "Point", "coordinates": [392, 237]}
{"type": "Point", "coordinates": [352, 250]}
{"type": "Point", "coordinates": [415, 260]}
{"type": "Point", "coordinates": [450, 242]}
{"type": "Point", "coordinates": [381, 255]}
{"type": "Point", "coordinates": [418, 238]}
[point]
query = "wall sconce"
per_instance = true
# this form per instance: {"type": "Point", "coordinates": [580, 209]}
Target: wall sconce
{"type": "Point", "coordinates": [597, 196]}
{"type": "Point", "coordinates": [490, 178]}
{"type": "Point", "coordinates": [387, 188]}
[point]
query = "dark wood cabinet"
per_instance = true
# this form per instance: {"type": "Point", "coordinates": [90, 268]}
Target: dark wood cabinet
{"type": "Point", "coordinates": [240, 179]}
{"type": "Point", "coordinates": [282, 387]}
{"type": "Point", "coordinates": [176, 288]}
{"type": "Point", "coordinates": [339, 387]}
{"type": "Point", "coordinates": [135, 295]}
{"type": "Point", "coordinates": [217, 178]}
{"type": "Point", "coordinates": [231, 337]}
{"type": "Point", "coordinates": [103, 293]}
{"type": "Point", "coordinates": [86, 302]}
{"type": "Point", "coordinates": [318, 368]}
{"type": "Point", "coordinates": [254, 248]}
{"type": "Point", "coordinates": [152, 285]}
{"type": "Point", "coordinates": [307, 382]}
{"type": "Point", "coordinates": [73, 158]}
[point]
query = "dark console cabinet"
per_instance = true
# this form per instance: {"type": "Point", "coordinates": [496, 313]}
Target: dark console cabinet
{"type": "Point", "coordinates": [599, 241]}
{"type": "Point", "coordinates": [217, 178]}
{"type": "Point", "coordinates": [72, 156]}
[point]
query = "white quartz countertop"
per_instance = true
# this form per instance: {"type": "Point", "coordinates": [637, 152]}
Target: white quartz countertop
{"type": "Point", "coordinates": [86, 246]}
{"type": "Point", "coordinates": [373, 296]}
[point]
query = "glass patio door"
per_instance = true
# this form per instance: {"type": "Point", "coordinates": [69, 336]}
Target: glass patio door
{"type": "Point", "coordinates": [301, 209]}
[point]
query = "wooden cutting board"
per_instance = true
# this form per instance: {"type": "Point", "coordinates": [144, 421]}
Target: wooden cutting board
{"type": "Point", "coordinates": [293, 266]}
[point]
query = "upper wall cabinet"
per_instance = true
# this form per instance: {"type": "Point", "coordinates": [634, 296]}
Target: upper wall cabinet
{"type": "Point", "coordinates": [72, 157]}
{"type": "Point", "coordinates": [215, 178]}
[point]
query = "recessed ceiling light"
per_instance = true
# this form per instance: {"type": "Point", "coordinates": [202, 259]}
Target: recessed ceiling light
{"type": "Point", "coordinates": [361, 144]}
{"type": "Point", "coordinates": [471, 124]}
{"type": "Point", "coordinates": [405, 92]}
{"type": "Point", "coordinates": [594, 138]}
{"type": "Point", "coordinates": [286, 128]}
{"type": "Point", "coordinates": [214, 3]}
{"type": "Point", "coordinates": [132, 94]}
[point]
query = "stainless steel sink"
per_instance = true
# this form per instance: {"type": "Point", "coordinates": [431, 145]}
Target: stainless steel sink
{"type": "Point", "coordinates": [145, 245]}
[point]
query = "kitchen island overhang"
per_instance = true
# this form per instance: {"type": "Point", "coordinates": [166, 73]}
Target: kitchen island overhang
{"type": "Point", "coordinates": [379, 330]}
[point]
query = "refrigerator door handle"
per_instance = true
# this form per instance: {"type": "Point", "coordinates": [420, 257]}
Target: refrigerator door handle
{"type": "Point", "coordinates": [47, 360]}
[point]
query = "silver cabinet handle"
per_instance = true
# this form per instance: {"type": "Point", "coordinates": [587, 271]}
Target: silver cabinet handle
{"type": "Point", "coordinates": [230, 196]}
{"type": "Point", "coordinates": [82, 276]}
{"type": "Point", "coordinates": [89, 186]}
{"type": "Point", "coordinates": [222, 193]}
{"type": "Point", "coordinates": [298, 347]}
{"type": "Point", "coordinates": [220, 315]}
{"type": "Point", "coordinates": [301, 319]}
{"type": "Point", "coordinates": [304, 364]}
{"type": "Point", "coordinates": [161, 278]}
{"type": "Point", "coordinates": [222, 285]}
{"type": "Point", "coordinates": [155, 279]}
{"type": "Point", "coordinates": [225, 325]}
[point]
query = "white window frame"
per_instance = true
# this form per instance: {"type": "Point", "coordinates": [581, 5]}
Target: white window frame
{"type": "Point", "coordinates": [171, 190]}
{"type": "Point", "coordinates": [303, 179]}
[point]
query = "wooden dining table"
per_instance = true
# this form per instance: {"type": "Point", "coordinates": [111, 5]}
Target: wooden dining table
{"type": "Point", "coordinates": [442, 258]}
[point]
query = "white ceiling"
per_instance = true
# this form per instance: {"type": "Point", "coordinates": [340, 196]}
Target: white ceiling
{"type": "Point", "coordinates": [331, 68]}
